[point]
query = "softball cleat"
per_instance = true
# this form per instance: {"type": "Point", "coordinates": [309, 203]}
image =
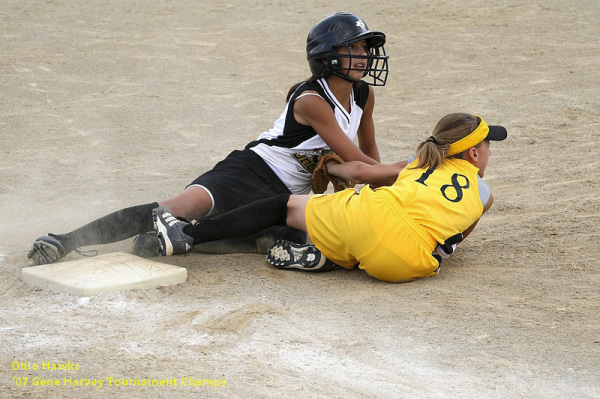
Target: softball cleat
{"type": "Point", "coordinates": [169, 230]}
{"type": "Point", "coordinates": [146, 245]}
{"type": "Point", "coordinates": [289, 255]}
{"type": "Point", "coordinates": [46, 250]}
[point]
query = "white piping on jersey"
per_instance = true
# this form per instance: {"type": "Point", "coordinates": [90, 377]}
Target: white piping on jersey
{"type": "Point", "coordinates": [334, 100]}
{"type": "Point", "coordinates": [309, 93]}
{"type": "Point", "coordinates": [212, 199]}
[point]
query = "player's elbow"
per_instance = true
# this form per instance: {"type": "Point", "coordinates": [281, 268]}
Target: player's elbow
{"type": "Point", "coordinates": [361, 173]}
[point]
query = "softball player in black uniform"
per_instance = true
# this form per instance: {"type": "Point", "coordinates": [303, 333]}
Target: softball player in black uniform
{"type": "Point", "coordinates": [325, 113]}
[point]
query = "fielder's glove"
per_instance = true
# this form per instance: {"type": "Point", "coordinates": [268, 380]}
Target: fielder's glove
{"type": "Point", "coordinates": [321, 177]}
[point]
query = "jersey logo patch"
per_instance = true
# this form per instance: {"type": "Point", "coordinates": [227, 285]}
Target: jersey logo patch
{"type": "Point", "coordinates": [307, 162]}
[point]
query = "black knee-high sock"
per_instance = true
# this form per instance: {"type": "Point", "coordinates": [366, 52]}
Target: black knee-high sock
{"type": "Point", "coordinates": [114, 227]}
{"type": "Point", "coordinates": [242, 221]}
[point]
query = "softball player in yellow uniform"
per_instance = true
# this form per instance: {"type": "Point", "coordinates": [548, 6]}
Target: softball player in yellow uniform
{"type": "Point", "coordinates": [395, 233]}
{"type": "Point", "coordinates": [391, 232]}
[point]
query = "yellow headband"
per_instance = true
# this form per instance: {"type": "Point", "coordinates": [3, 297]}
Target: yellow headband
{"type": "Point", "coordinates": [474, 138]}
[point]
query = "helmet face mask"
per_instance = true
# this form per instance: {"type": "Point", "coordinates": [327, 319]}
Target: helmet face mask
{"type": "Point", "coordinates": [340, 31]}
{"type": "Point", "coordinates": [375, 70]}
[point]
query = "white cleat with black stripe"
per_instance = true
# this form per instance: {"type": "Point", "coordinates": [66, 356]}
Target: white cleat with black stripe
{"type": "Point", "coordinates": [285, 254]}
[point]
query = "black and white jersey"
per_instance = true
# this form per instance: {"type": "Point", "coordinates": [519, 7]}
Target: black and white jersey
{"type": "Point", "coordinates": [292, 149]}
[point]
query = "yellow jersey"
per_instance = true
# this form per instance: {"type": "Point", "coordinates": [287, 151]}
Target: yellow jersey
{"type": "Point", "coordinates": [444, 201]}
{"type": "Point", "coordinates": [391, 232]}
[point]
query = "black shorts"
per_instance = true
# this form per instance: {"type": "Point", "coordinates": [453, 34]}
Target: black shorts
{"type": "Point", "coordinates": [242, 177]}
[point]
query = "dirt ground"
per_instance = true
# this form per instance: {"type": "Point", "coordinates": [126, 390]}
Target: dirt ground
{"type": "Point", "coordinates": [107, 104]}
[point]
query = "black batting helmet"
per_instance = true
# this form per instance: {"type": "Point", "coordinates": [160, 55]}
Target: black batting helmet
{"type": "Point", "coordinates": [342, 29]}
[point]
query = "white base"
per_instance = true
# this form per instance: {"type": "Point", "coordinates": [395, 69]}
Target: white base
{"type": "Point", "coordinates": [103, 274]}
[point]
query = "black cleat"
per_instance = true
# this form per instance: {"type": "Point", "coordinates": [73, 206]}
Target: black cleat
{"type": "Point", "coordinates": [169, 230]}
{"type": "Point", "coordinates": [45, 250]}
{"type": "Point", "coordinates": [146, 245]}
{"type": "Point", "coordinates": [289, 255]}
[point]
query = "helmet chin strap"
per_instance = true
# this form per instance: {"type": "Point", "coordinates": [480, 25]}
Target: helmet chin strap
{"type": "Point", "coordinates": [345, 77]}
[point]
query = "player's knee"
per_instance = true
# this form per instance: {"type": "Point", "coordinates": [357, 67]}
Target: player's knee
{"type": "Point", "coordinates": [193, 203]}
{"type": "Point", "coordinates": [296, 209]}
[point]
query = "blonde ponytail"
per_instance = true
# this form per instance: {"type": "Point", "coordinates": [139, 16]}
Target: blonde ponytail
{"type": "Point", "coordinates": [451, 128]}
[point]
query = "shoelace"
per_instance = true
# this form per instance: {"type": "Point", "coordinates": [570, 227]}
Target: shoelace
{"type": "Point", "coordinates": [90, 253]}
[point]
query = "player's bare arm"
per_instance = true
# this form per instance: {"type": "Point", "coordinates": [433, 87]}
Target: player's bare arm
{"type": "Point", "coordinates": [360, 172]}
{"type": "Point", "coordinates": [366, 130]}
{"type": "Point", "coordinates": [314, 111]}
